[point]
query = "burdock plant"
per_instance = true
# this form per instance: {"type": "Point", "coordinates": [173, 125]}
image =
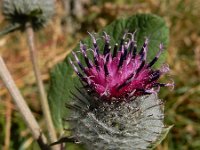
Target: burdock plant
{"type": "Point", "coordinates": [116, 106]}
{"type": "Point", "coordinates": [19, 12]}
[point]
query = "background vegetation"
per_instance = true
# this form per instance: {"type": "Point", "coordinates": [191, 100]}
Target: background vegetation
{"type": "Point", "coordinates": [69, 25]}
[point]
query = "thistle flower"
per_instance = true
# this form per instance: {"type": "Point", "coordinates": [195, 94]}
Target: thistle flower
{"type": "Point", "coordinates": [122, 74]}
{"type": "Point", "coordinates": [117, 107]}
{"type": "Point", "coordinates": [37, 12]}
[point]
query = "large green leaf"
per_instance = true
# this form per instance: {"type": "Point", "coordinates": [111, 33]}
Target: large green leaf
{"type": "Point", "coordinates": [63, 77]}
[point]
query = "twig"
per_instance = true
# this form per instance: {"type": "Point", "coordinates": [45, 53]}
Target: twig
{"type": "Point", "coordinates": [43, 97]}
{"type": "Point", "coordinates": [22, 106]}
{"type": "Point", "coordinates": [8, 123]}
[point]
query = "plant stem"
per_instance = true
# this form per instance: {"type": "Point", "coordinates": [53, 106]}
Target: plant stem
{"type": "Point", "coordinates": [43, 97]}
{"type": "Point", "coordinates": [22, 106]}
{"type": "Point", "coordinates": [8, 123]}
{"type": "Point", "coordinates": [10, 28]}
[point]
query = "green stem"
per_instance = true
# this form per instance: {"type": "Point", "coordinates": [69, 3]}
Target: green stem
{"type": "Point", "coordinates": [10, 28]}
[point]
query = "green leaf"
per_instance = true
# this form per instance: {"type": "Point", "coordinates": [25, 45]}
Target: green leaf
{"type": "Point", "coordinates": [63, 77]}
{"type": "Point", "coordinates": [62, 82]}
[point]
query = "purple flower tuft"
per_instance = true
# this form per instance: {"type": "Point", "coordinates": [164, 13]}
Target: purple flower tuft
{"type": "Point", "coordinates": [122, 72]}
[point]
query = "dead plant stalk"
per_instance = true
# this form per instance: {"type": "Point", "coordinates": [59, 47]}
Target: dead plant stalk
{"type": "Point", "coordinates": [43, 97]}
{"type": "Point", "coordinates": [22, 106]}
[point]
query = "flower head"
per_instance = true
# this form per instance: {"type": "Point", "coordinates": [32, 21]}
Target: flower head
{"type": "Point", "coordinates": [117, 107]}
{"type": "Point", "coordinates": [37, 12]}
{"type": "Point", "coordinates": [121, 73]}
